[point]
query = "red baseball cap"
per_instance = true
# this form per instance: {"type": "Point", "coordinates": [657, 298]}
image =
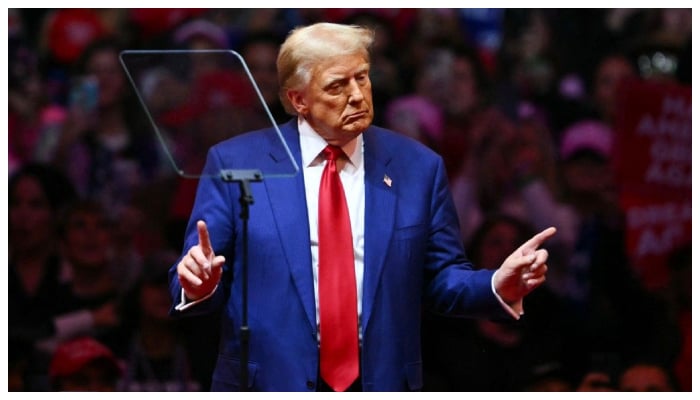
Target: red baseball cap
{"type": "Point", "coordinates": [71, 30]}
{"type": "Point", "coordinates": [74, 354]}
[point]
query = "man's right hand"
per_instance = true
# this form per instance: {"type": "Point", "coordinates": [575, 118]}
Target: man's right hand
{"type": "Point", "coordinates": [199, 271]}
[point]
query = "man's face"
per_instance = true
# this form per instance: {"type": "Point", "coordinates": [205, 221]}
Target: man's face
{"type": "Point", "coordinates": [338, 100]}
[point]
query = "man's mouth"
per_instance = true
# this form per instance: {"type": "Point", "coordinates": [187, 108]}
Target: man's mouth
{"type": "Point", "coordinates": [355, 116]}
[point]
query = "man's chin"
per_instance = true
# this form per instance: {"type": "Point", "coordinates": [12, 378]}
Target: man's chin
{"type": "Point", "coordinates": [358, 126]}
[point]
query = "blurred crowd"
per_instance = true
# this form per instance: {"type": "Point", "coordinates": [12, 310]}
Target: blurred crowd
{"type": "Point", "coordinates": [520, 103]}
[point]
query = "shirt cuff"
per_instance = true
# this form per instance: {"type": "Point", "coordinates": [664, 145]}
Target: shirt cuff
{"type": "Point", "coordinates": [184, 304]}
{"type": "Point", "coordinates": [515, 309]}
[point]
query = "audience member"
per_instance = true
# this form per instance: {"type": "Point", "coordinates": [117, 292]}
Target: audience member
{"type": "Point", "coordinates": [67, 32]}
{"type": "Point", "coordinates": [91, 305]}
{"type": "Point", "coordinates": [680, 309]}
{"type": "Point", "coordinates": [38, 195]}
{"type": "Point", "coordinates": [260, 54]}
{"type": "Point", "coordinates": [609, 73]}
{"type": "Point", "coordinates": [105, 146]}
{"type": "Point", "coordinates": [157, 358]}
{"type": "Point", "coordinates": [419, 114]}
{"type": "Point", "coordinates": [513, 171]}
{"type": "Point", "coordinates": [598, 373]}
{"type": "Point", "coordinates": [486, 355]}
{"type": "Point", "coordinates": [548, 376]}
{"type": "Point", "coordinates": [596, 381]}
{"type": "Point", "coordinates": [645, 376]}
{"type": "Point", "coordinates": [32, 118]}
{"type": "Point", "coordinates": [608, 309]}
{"type": "Point", "coordinates": [528, 64]}
{"type": "Point", "coordinates": [84, 364]}
{"type": "Point", "coordinates": [469, 115]}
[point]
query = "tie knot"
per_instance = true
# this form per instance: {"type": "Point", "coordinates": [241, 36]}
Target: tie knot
{"type": "Point", "coordinates": [332, 153]}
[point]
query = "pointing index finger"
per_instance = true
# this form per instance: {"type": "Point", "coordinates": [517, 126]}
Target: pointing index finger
{"type": "Point", "coordinates": [204, 242]}
{"type": "Point", "coordinates": [536, 241]}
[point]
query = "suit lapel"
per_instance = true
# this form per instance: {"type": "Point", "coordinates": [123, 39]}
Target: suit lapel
{"type": "Point", "coordinates": [287, 199]}
{"type": "Point", "coordinates": [380, 211]}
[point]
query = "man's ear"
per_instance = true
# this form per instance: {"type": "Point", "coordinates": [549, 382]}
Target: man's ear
{"type": "Point", "coordinates": [298, 101]}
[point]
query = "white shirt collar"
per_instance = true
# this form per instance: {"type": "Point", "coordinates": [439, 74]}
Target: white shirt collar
{"type": "Point", "coordinates": [312, 144]}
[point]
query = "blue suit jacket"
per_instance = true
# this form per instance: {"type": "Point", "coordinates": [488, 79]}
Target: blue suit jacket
{"type": "Point", "coordinates": [413, 260]}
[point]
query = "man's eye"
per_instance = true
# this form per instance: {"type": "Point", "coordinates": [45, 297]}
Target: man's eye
{"type": "Point", "coordinates": [334, 88]}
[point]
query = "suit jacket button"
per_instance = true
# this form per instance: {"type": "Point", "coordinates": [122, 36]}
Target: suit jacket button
{"type": "Point", "coordinates": [310, 385]}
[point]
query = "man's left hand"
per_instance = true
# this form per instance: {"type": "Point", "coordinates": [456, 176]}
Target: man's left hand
{"type": "Point", "coordinates": [524, 269]}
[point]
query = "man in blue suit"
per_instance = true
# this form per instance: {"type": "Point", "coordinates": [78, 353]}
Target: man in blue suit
{"type": "Point", "coordinates": [405, 239]}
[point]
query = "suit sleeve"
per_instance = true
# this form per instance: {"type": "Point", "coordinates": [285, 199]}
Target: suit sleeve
{"type": "Point", "coordinates": [216, 204]}
{"type": "Point", "coordinates": [453, 285]}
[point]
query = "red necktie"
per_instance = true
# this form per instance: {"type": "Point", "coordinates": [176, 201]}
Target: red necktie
{"type": "Point", "coordinates": [336, 281]}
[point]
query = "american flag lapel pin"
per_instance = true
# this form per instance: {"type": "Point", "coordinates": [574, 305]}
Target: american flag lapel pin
{"type": "Point", "coordinates": [387, 180]}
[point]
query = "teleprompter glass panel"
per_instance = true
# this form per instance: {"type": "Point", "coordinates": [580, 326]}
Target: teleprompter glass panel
{"type": "Point", "coordinates": [197, 98]}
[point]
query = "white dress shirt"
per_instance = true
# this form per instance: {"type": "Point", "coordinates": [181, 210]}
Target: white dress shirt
{"type": "Point", "coordinates": [352, 174]}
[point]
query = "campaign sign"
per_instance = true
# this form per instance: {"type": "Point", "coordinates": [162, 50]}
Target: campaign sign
{"type": "Point", "coordinates": [653, 164]}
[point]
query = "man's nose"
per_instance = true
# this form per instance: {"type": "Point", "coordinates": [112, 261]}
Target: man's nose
{"type": "Point", "coordinates": [354, 92]}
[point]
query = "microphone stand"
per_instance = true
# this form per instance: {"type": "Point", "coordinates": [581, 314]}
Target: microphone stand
{"type": "Point", "coordinates": [243, 178]}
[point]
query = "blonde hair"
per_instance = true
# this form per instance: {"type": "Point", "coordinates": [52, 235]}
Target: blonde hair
{"type": "Point", "coordinates": [309, 45]}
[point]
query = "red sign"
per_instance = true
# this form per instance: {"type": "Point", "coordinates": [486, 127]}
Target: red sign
{"type": "Point", "coordinates": [653, 162]}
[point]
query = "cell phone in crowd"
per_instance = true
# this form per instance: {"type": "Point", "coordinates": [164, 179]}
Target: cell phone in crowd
{"type": "Point", "coordinates": [85, 94]}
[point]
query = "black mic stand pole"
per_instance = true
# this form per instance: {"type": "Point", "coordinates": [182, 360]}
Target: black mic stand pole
{"type": "Point", "coordinates": [244, 177]}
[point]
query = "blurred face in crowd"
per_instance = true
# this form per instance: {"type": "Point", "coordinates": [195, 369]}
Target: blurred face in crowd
{"type": "Point", "coordinates": [337, 102]}
{"type": "Point", "coordinates": [595, 381]}
{"type": "Point", "coordinates": [260, 58]}
{"type": "Point", "coordinates": [645, 378]}
{"type": "Point", "coordinates": [610, 73]}
{"type": "Point", "coordinates": [104, 65]}
{"type": "Point", "coordinates": [497, 244]}
{"type": "Point", "coordinates": [155, 300]}
{"type": "Point", "coordinates": [87, 239]}
{"type": "Point", "coordinates": [528, 145]}
{"type": "Point", "coordinates": [589, 178]}
{"type": "Point", "coordinates": [495, 165]}
{"type": "Point", "coordinates": [31, 221]}
{"type": "Point", "coordinates": [464, 97]}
